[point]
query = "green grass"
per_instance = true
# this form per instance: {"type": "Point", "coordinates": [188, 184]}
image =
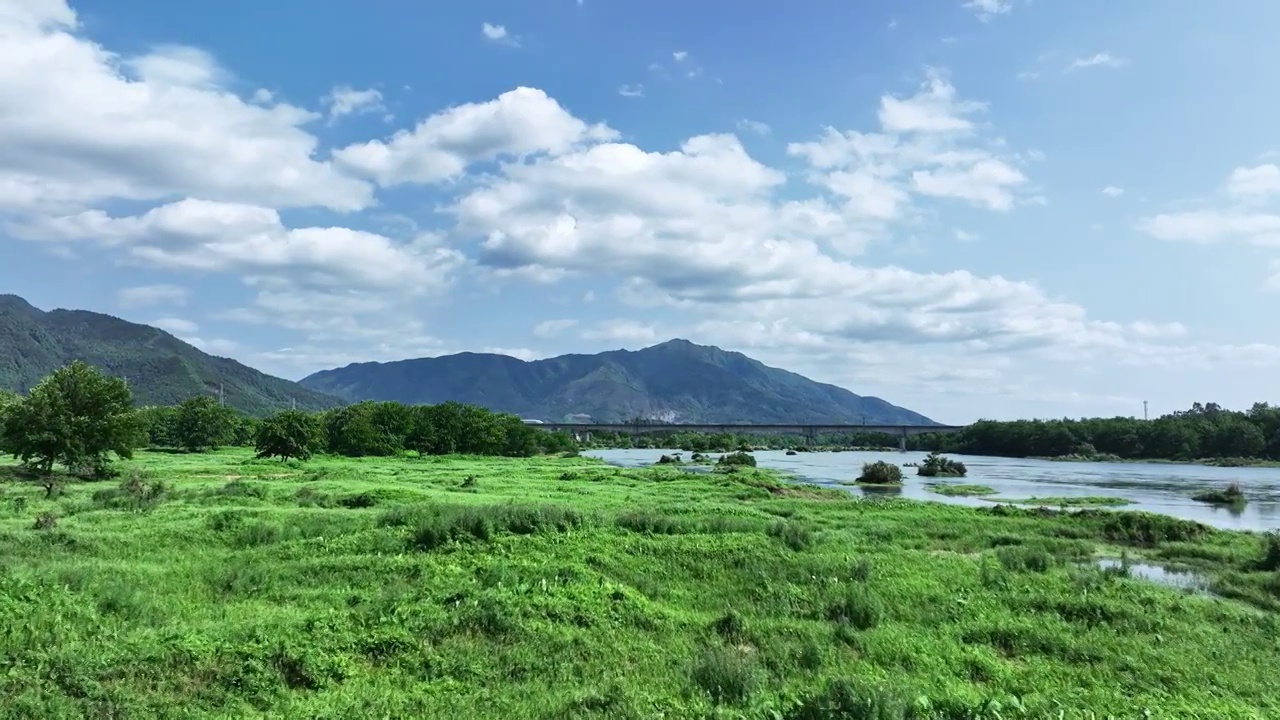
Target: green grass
{"type": "Point", "coordinates": [961, 490]}
{"type": "Point", "coordinates": [1072, 501]}
{"type": "Point", "coordinates": [222, 587]}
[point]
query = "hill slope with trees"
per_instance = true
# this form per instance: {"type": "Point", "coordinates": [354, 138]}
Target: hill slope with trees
{"type": "Point", "coordinates": [676, 381]}
{"type": "Point", "coordinates": [162, 370]}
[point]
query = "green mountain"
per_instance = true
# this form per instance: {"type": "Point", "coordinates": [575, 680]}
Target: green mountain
{"type": "Point", "coordinates": [162, 370]}
{"type": "Point", "coordinates": [676, 381]}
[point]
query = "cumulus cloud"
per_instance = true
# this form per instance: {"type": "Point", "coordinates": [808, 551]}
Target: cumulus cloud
{"type": "Point", "coordinates": [1255, 183]}
{"type": "Point", "coordinates": [1112, 191]}
{"type": "Point", "coordinates": [520, 122]}
{"type": "Point", "coordinates": [248, 240]}
{"type": "Point", "coordinates": [498, 34]}
{"type": "Point", "coordinates": [87, 125]}
{"type": "Point", "coordinates": [346, 100]}
{"type": "Point", "coordinates": [553, 328]}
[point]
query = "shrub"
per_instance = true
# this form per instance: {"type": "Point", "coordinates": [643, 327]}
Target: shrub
{"type": "Point", "coordinates": [938, 466]}
{"type": "Point", "coordinates": [135, 493]}
{"type": "Point", "coordinates": [46, 521]}
{"type": "Point", "coordinates": [841, 699]}
{"type": "Point", "coordinates": [669, 460]}
{"type": "Point", "coordinates": [728, 675]}
{"type": "Point", "coordinates": [881, 473]}
{"type": "Point", "coordinates": [1021, 558]}
{"type": "Point", "coordinates": [1271, 552]}
{"type": "Point", "coordinates": [737, 459]}
{"type": "Point", "coordinates": [792, 534]}
{"type": "Point", "coordinates": [1230, 495]}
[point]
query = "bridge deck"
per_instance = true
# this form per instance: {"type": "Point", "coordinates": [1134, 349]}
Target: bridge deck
{"type": "Point", "coordinates": [748, 428]}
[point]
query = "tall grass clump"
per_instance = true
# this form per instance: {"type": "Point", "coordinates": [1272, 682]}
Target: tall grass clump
{"type": "Point", "coordinates": [792, 534]}
{"type": "Point", "coordinates": [858, 607]}
{"type": "Point", "coordinates": [728, 674]}
{"type": "Point", "coordinates": [880, 473]}
{"type": "Point", "coordinates": [136, 492]}
{"type": "Point", "coordinates": [436, 526]}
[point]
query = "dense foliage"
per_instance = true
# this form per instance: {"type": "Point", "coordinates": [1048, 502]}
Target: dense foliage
{"type": "Point", "coordinates": [880, 473]}
{"type": "Point", "coordinates": [1204, 431]}
{"type": "Point", "coordinates": [939, 466]}
{"type": "Point", "coordinates": [77, 417]}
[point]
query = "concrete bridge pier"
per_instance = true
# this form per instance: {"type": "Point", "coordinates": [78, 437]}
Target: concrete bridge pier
{"type": "Point", "coordinates": [902, 441]}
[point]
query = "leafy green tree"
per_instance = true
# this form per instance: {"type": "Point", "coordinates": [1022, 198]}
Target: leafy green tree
{"type": "Point", "coordinates": [76, 417]}
{"type": "Point", "coordinates": [203, 423]}
{"type": "Point", "coordinates": [159, 426]}
{"type": "Point", "coordinates": [289, 434]}
{"type": "Point", "coordinates": [8, 402]}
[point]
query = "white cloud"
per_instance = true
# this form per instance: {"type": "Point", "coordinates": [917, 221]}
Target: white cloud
{"type": "Point", "coordinates": [1112, 191]}
{"type": "Point", "coordinates": [1254, 183]}
{"type": "Point", "coordinates": [965, 236]}
{"type": "Point", "coordinates": [175, 326]}
{"type": "Point", "coordinates": [1028, 75]}
{"type": "Point", "coordinates": [1213, 226]}
{"type": "Point", "coordinates": [518, 353]}
{"type": "Point", "coordinates": [627, 332]}
{"type": "Point", "coordinates": [519, 122]}
{"type": "Point", "coordinates": [147, 295]}
{"type": "Point", "coordinates": [252, 241]}
{"type": "Point", "coordinates": [553, 328]}
{"type": "Point", "coordinates": [987, 9]}
{"type": "Point", "coordinates": [498, 34]}
{"type": "Point", "coordinates": [88, 125]}
{"type": "Point", "coordinates": [345, 100]}
{"type": "Point", "coordinates": [680, 55]}
{"type": "Point", "coordinates": [934, 109]}
{"type": "Point", "coordinates": [1101, 59]}
{"type": "Point", "coordinates": [631, 90]}
{"type": "Point", "coordinates": [753, 126]}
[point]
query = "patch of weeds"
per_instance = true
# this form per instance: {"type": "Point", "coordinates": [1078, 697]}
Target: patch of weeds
{"type": "Point", "coordinates": [1020, 558]}
{"type": "Point", "coordinates": [310, 497]}
{"type": "Point", "coordinates": [861, 571]}
{"type": "Point", "coordinates": [358, 501]}
{"type": "Point", "coordinates": [843, 699]}
{"type": "Point", "coordinates": [437, 526]}
{"type": "Point", "coordinates": [858, 608]}
{"type": "Point", "coordinates": [136, 492]}
{"type": "Point", "coordinates": [736, 460]}
{"type": "Point", "coordinates": [729, 675]}
{"type": "Point", "coordinates": [731, 626]}
{"type": "Point", "coordinates": [242, 489]}
{"type": "Point", "coordinates": [46, 521]}
{"type": "Point", "coordinates": [1232, 494]}
{"type": "Point", "coordinates": [469, 482]}
{"type": "Point", "coordinates": [1271, 552]}
{"type": "Point", "coordinates": [653, 523]}
{"type": "Point", "coordinates": [792, 534]}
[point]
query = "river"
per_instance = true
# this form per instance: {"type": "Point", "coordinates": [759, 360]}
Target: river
{"type": "Point", "coordinates": [1153, 487]}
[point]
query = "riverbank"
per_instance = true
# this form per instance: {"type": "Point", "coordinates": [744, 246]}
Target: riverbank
{"type": "Point", "coordinates": [563, 587]}
{"type": "Point", "coordinates": [1208, 462]}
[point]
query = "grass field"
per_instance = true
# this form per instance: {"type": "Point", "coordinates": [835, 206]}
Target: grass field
{"type": "Point", "coordinates": [562, 588]}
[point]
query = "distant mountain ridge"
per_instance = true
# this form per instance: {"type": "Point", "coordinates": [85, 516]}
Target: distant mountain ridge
{"type": "Point", "coordinates": [675, 381]}
{"type": "Point", "coordinates": [162, 370]}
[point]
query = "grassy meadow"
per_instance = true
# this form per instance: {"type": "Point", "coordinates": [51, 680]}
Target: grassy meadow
{"type": "Point", "coordinates": [221, 586]}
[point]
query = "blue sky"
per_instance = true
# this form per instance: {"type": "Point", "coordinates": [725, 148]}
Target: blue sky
{"type": "Point", "coordinates": [998, 208]}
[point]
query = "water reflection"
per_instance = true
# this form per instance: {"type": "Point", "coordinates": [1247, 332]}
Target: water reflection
{"type": "Point", "coordinates": [1161, 488]}
{"type": "Point", "coordinates": [1183, 580]}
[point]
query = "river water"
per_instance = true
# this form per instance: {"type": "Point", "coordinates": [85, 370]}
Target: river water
{"type": "Point", "coordinates": [1153, 487]}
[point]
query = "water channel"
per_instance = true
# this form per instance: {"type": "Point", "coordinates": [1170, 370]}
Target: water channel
{"type": "Point", "coordinates": [1153, 487]}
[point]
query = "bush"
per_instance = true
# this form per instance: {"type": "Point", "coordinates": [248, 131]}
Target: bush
{"type": "Point", "coordinates": [881, 473]}
{"type": "Point", "coordinates": [728, 675]}
{"type": "Point", "coordinates": [938, 466]}
{"type": "Point", "coordinates": [135, 493]}
{"type": "Point", "coordinates": [737, 459]}
{"type": "Point", "coordinates": [434, 527]}
{"type": "Point", "coordinates": [1271, 552]}
{"type": "Point", "coordinates": [1232, 494]}
{"type": "Point", "coordinates": [731, 626]}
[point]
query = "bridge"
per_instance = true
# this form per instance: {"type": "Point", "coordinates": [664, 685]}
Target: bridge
{"type": "Point", "coordinates": [582, 431]}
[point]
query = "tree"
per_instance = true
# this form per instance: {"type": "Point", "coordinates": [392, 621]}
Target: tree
{"type": "Point", "coordinates": [8, 401]}
{"type": "Point", "coordinates": [289, 434]}
{"type": "Point", "coordinates": [203, 424]}
{"type": "Point", "coordinates": [76, 417]}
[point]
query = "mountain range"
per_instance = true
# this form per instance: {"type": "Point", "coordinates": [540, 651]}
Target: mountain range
{"type": "Point", "coordinates": [675, 381]}
{"type": "Point", "coordinates": [160, 368]}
